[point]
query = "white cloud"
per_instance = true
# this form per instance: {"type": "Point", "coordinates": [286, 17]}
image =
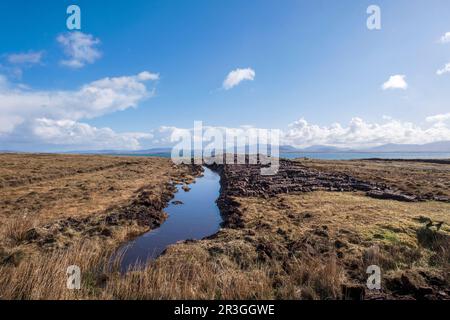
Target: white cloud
{"type": "Point", "coordinates": [439, 118]}
{"type": "Point", "coordinates": [145, 76]}
{"type": "Point", "coordinates": [25, 58]}
{"type": "Point", "coordinates": [237, 76]}
{"type": "Point", "coordinates": [41, 120]}
{"type": "Point", "coordinates": [33, 116]}
{"type": "Point", "coordinates": [395, 82]}
{"type": "Point", "coordinates": [80, 48]}
{"type": "Point", "coordinates": [359, 133]}
{"type": "Point", "coordinates": [445, 38]}
{"type": "Point", "coordinates": [91, 100]}
{"type": "Point", "coordinates": [16, 62]}
{"type": "Point", "coordinates": [356, 134]}
{"type": "Point", "coordinates": [72, 134]}
{"type": "Point", "coordinates": [162, 136]}
{"type": "Point", "coordinates": [444, 70]}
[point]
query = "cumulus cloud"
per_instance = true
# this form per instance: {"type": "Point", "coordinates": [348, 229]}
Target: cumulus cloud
{"type": "Point", "coordinates": [439, 118]}
{"type": "Point", "coordinates": [43, 120]}
{"type": "Point", "coordinates": [15, 63]}
{"type": "Point", "coordinates": [237, 76]}
{"type": "Point", "coordinates": [29, 115]}
{"type": "Point", "coordinates": [145, 76]}
{"type": "Point", "coordinates": [166, 136]}
{"type": "Point", "coordinates": [83, 136]}
{"type": "Point", "coordinates": [80, 49]}
{"type": "Point", "coordinates": [25, 58]}
{"type": "Point", "coordinates": [445, 69]}
{"type": "Point", "coordinates": [359, 133]}
{"type": "Point", "coordinates": [395, 82]}
{"type": "Point", "coordinates": [445, 38]}
{"type": "Point", "coordinates": [91, 100]}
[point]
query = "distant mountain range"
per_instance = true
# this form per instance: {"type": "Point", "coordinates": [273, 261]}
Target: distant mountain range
{"type": "Point", "coordinates": [312, 149]}
{"type": "Point", "coordinates": [442, 146]}
{"type": "Point", "coordinates": [124, 152]}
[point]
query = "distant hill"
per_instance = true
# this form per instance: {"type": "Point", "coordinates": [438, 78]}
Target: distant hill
{"type": "Point", "coordinates": [442, 146]}
{"type": "Point", "coordinates": [134, 152]}
{"type": "Point", "coordinates": [315, 148]}
{"type": "Point", "coordinates": [152, 151]}
{"type": "Point", "coordinates": [324, 149]}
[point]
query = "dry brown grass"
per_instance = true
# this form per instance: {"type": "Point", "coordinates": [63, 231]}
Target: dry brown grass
{"type": "Point", "coordinates": [47, 189]}
{"type": "Point", "coordinates": [17, 230]}
{"type": "Point", "coordinates": [44, 276]}
{"type": "Point", "coordinates": [52, 187]}
{"type": "Point", "coordinates": [192, 276]}
{"type": "Point", "coordinates": [290, 246]}
{"type": "Point", "coordinates": [177, 275]}
{"type": "Point", "coordinates": [312, 246]}
{"type": "Point", "coordinates": [360, 231]}
{"type": "Point", "coordinates": [26, 169]}
{"type": "Point", "coordinates": [287, 255]}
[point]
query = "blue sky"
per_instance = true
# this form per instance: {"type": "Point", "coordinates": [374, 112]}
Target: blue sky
{"type": "Point", "coordinates": [315, 64]}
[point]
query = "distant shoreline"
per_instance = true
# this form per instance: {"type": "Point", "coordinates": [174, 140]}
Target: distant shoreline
{"type": "Point", "coordinates": [435, 157]}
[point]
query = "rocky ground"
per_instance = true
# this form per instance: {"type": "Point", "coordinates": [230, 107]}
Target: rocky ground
{"type": "Point", "coordinates": [314, 212]}
{"type": "Point", "coordinates": [307, 176]}
{"type": "Point", "coordinates": [421, 179]}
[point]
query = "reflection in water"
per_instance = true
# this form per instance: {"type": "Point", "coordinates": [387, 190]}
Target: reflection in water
{"type": "Point", "coordinates": [195, 218]}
